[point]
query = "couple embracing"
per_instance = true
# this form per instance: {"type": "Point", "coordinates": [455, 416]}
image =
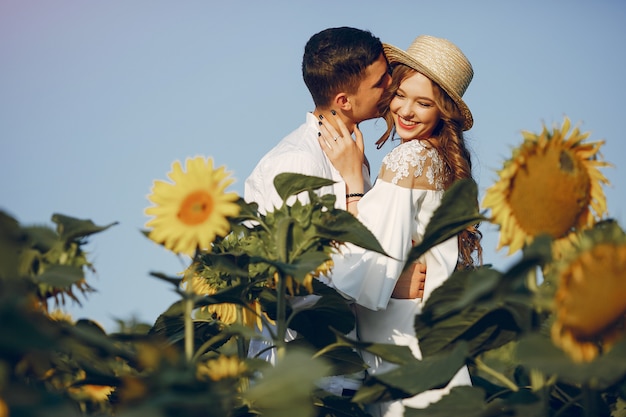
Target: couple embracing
{"type": "Point", "coordinates": [352, 76]}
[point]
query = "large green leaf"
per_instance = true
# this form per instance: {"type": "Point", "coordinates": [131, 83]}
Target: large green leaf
{"type": "Point", "coordinates": [61, 276]}
{"type": "Point", "coordinates": [342, 226]}
{"type": "Point", "coordinates": [70, 228]}
{"type": "Point", "coordinates": [537, 351]}
{"type": "Point", "coordinates": [414, 377]}
{"type": "Point", "coordinates": [330, 405]}
{"type": "Point", "coordinates": [13, 241]}
{"type": "Point", "coordinates": [458, 210]}
{"type": "Point", "coordinates": [175, 281]}
{"type": "Point", "coordinates": [289, 183]}
{"type": "Point", "coordinates": [172, 329]}
{"type": "Point", "coordinates": [482, 328]}
{"type": "Point", "coordinates": [300, 267]}
{"type": "Point", "coordinates": [315, 322]}
{"type": "Point", "coordinates": [227, 263]}
{"type": "Point", "coordinates": [344, 360]}
{"type": "Point", "coordinates": [285, 389]}
{"type": "Point", "coordinates": [465, 401]}
{"type": "Point", "coordinates": [473, 306]}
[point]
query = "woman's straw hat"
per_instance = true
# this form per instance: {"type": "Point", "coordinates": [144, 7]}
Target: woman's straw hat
{"type": "Point", "coordinates": [442, 62]}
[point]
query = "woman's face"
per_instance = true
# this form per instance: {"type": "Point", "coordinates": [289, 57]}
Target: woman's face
{"type": "Point", "coordinates": [415, 113]}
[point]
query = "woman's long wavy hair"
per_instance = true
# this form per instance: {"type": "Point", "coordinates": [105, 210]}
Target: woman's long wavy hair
{"type": "Point", "coordinates": [450, 143]}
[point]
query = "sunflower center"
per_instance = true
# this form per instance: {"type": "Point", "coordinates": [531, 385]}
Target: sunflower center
{"type": "Point", "coordinates": [550, 192]}
{"type": "Point", "coordinates": [196, 208]}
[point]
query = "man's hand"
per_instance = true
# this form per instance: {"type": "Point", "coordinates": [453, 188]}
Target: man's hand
{"type": "Point", "coordinates": [410, 285]}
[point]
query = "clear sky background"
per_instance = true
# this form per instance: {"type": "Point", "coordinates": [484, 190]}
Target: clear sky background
{"type": "Point", "coordinates": [98, 98]}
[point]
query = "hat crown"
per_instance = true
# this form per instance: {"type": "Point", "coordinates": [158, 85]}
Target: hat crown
{"type": "Point", "coordinates": [445, 61]}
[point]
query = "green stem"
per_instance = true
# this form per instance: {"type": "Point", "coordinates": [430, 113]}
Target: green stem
{"type": "Point", "coordinates": [188, 311]}
{"type": "Point", "coordinates": [495, 374]}
{"type": "Point", "coordinates": [241, 342]}
{"type": "Point", "coordinates": [589, 402]}
{"type": "Point", "coordinates": [281, 314]}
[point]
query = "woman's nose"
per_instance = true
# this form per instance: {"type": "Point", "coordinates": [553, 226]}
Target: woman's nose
{"type": "Point", "coordinates": [405, 110]}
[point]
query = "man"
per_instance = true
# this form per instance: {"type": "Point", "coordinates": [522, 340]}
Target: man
{"type": "Point", "coordinates": [346, 73]}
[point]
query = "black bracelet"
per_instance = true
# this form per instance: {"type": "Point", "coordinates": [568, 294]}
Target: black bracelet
{"type": "Point", "coordinates": [354, 195]}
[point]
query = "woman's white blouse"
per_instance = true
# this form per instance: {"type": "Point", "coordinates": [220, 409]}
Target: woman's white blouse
{"type": "Point", "coordinates": [397, 209]}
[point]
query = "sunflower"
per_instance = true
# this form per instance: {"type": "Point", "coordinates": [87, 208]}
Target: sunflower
{"type": "Point", "coordinates": [222, 367]}
{"type": "Point", "coordinates": [589, 304]}
{"type": "Point", "coordinates": [190, 212]}
{"type": "Point", "coordinates": [295, 288]}
{"type": "Point", "coordinates": [224, 312]}
{"type": "Point", "coordinates": [551, 186]}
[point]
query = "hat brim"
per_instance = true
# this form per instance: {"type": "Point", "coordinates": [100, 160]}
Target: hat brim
{"type": "Point", "coordinates": [396, 55]}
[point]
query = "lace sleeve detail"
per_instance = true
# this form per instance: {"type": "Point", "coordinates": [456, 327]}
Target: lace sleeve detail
{"type": "Point", "coordinates": [413, 165]}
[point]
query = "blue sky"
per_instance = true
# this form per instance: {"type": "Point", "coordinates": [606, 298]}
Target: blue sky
{"type": "Point", "coordinates": [97, 99]}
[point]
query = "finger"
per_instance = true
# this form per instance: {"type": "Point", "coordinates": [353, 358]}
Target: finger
{"type": "Point", "coordinates": [342, 126]}
{"type": "Point", "coordinates": [323, 142]}
{"type": "Point", "coordinates": [359, 138]}
{"type": "Point", "coordinates": [326, 134]}
{"type": "Point", "coordinates": [329, 130]}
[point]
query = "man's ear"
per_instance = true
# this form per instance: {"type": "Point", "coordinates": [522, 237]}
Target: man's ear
{"type": "Point", "coordinates": [342, 102]}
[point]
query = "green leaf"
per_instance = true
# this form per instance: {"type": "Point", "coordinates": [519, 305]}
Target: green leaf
{"type": "Point", "coordinates": [289, 183]}
{"type": "Point", "coordinates": [463, 401]}
{"type": "Point", "coordinates": [12, 242]}
{"type": "Point", "coordinates": [462, 289]}
{"type": "Point", "coordinates": [482, 328]}
{"type": "Point", "coordinates": [473, 306]}
{"type": "Point", "coordinates": [70, 228]}
{"type": "Point", "coordinates": [391, 353]}
{"type": "Point", "coordinates": [538, 351]}
{"type": "Point", "coordinates": [458, 210]}
{"type": "Point", "coordinates": [175, 281]}
{"type": "Point", "coordinates": [172, 329]}
{"type": "Point", "coordinates": [61, 276]}
{"type": "Point", "coordinates": [414, 377]}
{"type": "Point", "coordinates": [342, 226]}
{"type": "Point", "coordinates": [285, 389]}
{"type": "Point", "coordinates": [227, 263]}
{"type": "Point", "coordinates": [345, 360]}
{"type": "Point", "coordinates": [41, 238]}
{"type": "Point", "coordinates": [300, 267]}
{"type": "Point", "coordinates": [315, 322]}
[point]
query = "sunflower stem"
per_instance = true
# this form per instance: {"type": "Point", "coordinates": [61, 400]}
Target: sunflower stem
{"type": "Point", "coordinates": [281, 322]}
{"type": "Point", "coordinates": [482, 366]}
{"type": "Point", "coordinates": [241, 345]}
{"type": "Point", "coordinates": [188, 304]}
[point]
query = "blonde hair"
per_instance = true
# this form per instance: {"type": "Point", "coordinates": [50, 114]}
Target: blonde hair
{"type": "Point", "coordinates": [451, 146]}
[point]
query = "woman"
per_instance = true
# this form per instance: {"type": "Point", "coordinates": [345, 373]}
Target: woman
{"type": "Point", "coordinates": [424, 107]}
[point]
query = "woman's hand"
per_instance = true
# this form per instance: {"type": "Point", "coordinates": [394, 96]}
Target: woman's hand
{"type": "Point", "coordinates": [410, 285]}
{"type": "Point", "coordinates": [346, 154]}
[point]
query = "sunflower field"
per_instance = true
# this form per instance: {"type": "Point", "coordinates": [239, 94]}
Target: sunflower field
{"type": "Point", "coordinates": [544, 337]}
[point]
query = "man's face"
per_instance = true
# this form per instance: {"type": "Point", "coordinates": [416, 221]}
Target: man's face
{"type": "Point", "coordinates": [365, 100]}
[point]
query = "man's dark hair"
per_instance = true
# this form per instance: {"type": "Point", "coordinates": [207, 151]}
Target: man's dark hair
{"type": "Point", "coordinates": [334, 61]}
